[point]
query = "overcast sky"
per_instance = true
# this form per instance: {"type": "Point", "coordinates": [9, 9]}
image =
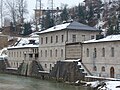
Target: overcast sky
{"type": "Point", "coordinates": [45, 3]}
{"type": "Point", "coordinates": [57, 3]}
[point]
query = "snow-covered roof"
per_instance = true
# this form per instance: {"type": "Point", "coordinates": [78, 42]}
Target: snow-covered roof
{"type": "Point", "coordinates": [71, 26]}
{"type": "Point", "coordinates": [24, 46]}
{"type": "Point", "coordinates": [106, 39]}
{"type": "Point", "coordinates": [24, 43]}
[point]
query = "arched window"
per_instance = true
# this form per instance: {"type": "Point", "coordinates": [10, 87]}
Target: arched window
{"type": "Point", "coordinates": [41, 53]}
{"type": "Point", "coordinates": [50, 53]}
{"type": "Point", "coordinates": [87, 52]}
{"type": "Point", "coordinates": [56, 39]}
{"type": "Point", "coordinates": [50, 66]}
{"type": "Point", "coordinates": [103, 52]}
{"type": "Point", "coordinates": [41, 40]}
{"type": "Point", "coordinates": [112, 52]}
{"type": "Point", "coordinates": [94, 68]}
{"type": "Point", "coordinates": [56, 53]}
{"type": "Point", "coordinates": [46, 40]}
{"type": "Point", "coordinates": [95, 53]}
{"type": "Point", "coordinates": [61, 52]}
{"type": "Point", "coordinates": [45, 65]}
{"type": "Point", "coordinates": [51, 39]}
{"type": "Point", "coordinates": [45, 53]}
{"type": "Point", "coordinates": [103, 69]}
{"type": "Point", "coordinates": [62, 38]}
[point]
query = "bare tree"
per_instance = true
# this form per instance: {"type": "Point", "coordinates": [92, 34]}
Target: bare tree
{"type": "Point", "coordinates": [1, 12]}
{"type": "Point", "coordinates": [16, 9]}
{"type": "Point", "coordinates": [22, 9]}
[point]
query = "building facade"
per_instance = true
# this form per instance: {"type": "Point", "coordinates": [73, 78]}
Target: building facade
{"type": "Point", "coordinates": [56, 43]}
{"type": "Point", "coordinates": [28, 51]}
{"type": "Point", "coordinates": [102, 57]}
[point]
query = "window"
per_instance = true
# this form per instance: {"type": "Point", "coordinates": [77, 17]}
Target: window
{"type": "Point", "coordinates": [41, 53]}
{"type": "Point", "coordinates": [30, 55]}
{"type": "Point", "coordinates": [50, 66]}
{"type": "Point", "coordinates": [45, 53]}
{"type": "Point", "coordinates": [9, 54]}
{"type": "Point", "coordinates": [112, 52]}
{"type": "Point", "coordinates": [95, 53]}
{"type": "Point", "coordinates": [36, 56]}
{"type": "Point", "coordinates": [51, 39]}
{"type": "Point", "coordinates": [73, 38]}
{"type": "Point", "coordinates": [17, 54]}
{"type": "Point", "coordinates": [46, 40]}
{"type": "Point", "coordinates": [103, 69]}
{"type": "Point", "coordinates": [61, 52]}
{"type": "Point", "coordinates": [41, 40]}
{"type": "Point", "coordinates": [62, 38]}
{"type": "Point", "coordinates": [56, 53]}
{"type": "Point", "coordinates": [87, 52]}
{"type": "Point", "coordinates": [56, 39]}
{"type": "Point", "coordinates": [50, 53]}
{"type": "Point", "coordinates": [20, 53]}
{"type": "Point", "coordinates": [103, 52]}
{"type": "Point", "coordinates": [45, 65]}
{"type": "Point", "coordinates": [83, 37]}
{"type": "Point", "coordinates": [14, 54]}
{"type": "Point", "coordinates": [94, 68]}
{"type": "Point", "coordinates": [92, 36]}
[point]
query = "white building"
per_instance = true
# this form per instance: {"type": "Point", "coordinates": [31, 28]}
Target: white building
{"type": "Point", "coordinates": [62, 42]}
{"type": "Point", "coordinates": [102, 57]}
{"type": "Point", "coordinates": [25, 49]}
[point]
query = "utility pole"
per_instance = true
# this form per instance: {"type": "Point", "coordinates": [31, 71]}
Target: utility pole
{"type": "Point", "coordinates": [52, 8]}
{"type": "Point", "coordinates": [40, 12]}
{"type": "Point", "coordinates": [36, 16]}
{"type": "Point", "coordinates": [1, 12]}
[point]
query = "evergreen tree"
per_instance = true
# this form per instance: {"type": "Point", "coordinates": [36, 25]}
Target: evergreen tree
{"type": "Point", "coordinates": [110, 30]}
{"type": "Point", "coordinates": [64, 14]}
{"type": "Point", "coordinates": [49, 22]}
{"type": "Point", "coordinates": [90, 13]}
{"type": "Point", "coordinates": [117, 27]}
{"type": "Point", "coordinates": [81, 14]}
{"type": "Point", "coordinates": [27, 29]}
{"type": "Point", "coordinates": [43, 23]}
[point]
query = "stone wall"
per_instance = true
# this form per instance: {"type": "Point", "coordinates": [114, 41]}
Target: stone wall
{"type": "Point", "coordinates": [67, 72]}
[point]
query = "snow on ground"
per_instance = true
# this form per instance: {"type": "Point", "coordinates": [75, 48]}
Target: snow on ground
{"type": "Point", "coordinates": [3, 51]}
{"type": "Point", "coordinates": [92, 84]}
{"type": "Point", "coordinates": [111, 85]}
{"type": "Point", "coordinates": [104, 85]}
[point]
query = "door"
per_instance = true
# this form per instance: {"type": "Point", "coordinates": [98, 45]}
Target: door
{"type": "Point", "coordinates": [112, 72]}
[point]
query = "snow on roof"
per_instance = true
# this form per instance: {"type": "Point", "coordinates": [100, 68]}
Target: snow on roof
{"type": "Point", "coordinates": [24, 43]}
{"type": "Point", "coordinates": [106, 39]}
{"type": "Point", "coordinates": [55, 28]}
{"type": "Point", "coordinates": [24, 46]}
{"type": "Point", "coordinates": [34, 35]}
{"type": "Point", "coordinates": [74, 26]}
